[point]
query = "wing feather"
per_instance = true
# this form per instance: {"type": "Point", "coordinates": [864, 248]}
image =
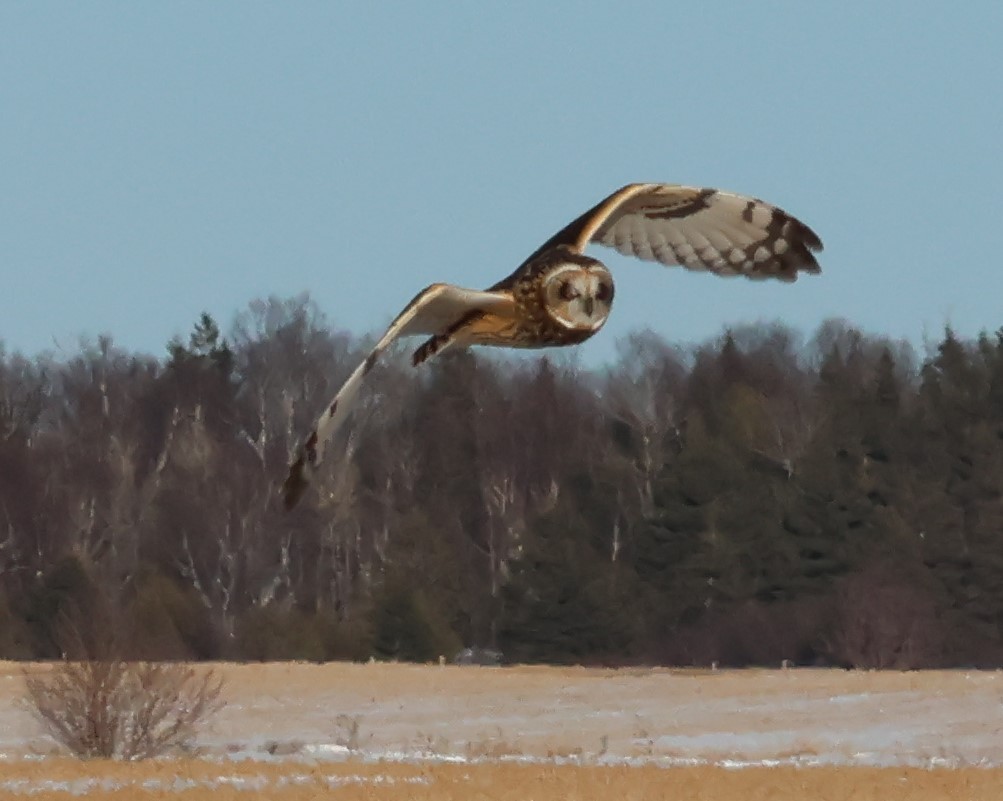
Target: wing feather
{"type": "Point", "coordinates": [432, 311]}
{"type": "Point", "coordinates": [729, 234]}
{"type": "Point", "coordinates": [698, 228]}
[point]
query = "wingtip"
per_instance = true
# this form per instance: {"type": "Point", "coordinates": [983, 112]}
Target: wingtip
{"type": "Point", "coordinates": [812, 240]}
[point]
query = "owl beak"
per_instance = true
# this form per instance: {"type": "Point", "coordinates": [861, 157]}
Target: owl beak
{"type": "Point", "coordinates": [589, 304]}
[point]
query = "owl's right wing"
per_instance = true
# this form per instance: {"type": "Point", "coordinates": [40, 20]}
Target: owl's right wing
{"type": "Point", "coordinates": [695, 227]}
{"type": "Point", "coordinates": [434, 310]}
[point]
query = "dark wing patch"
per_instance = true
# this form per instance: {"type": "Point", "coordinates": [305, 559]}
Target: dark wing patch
{"type": "Point", "coordinates": [685, 206]}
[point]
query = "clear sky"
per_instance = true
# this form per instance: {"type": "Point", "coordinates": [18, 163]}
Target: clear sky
{"type": "Point", "coordinates": [158, 159]}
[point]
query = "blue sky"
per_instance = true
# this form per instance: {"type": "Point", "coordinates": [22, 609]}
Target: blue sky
{"type": "Point", "coordinates": [159, 159]}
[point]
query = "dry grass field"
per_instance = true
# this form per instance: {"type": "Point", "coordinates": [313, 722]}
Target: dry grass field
{"type": "Point", "coordinates": [296, 731]}
{"type": "Point", "coordinates": [194, 780]}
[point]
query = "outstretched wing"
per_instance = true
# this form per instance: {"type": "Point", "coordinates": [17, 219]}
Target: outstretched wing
{"type": "Point", "coordinates": [434, 310]}
{"type": "Point", "coordinates": [700, 229]}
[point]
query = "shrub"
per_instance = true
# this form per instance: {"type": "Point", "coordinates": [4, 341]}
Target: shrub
{"type": "Point", "coordinates": [408, 628]}
{"type": "Point", "coordinates": [65, 589]}
{"type": "Point", "coordinates": [168, 622]}
{"type": "Point", "coordinates": [268, 633]}
{"type": "Point", "coordinates": [15, 637]}
{"type": "Point", "coordinates": [98, 705]}
{"type": "Point", "coordinates": [885, 619]}
{"type": "Point", "coordinates": [123, 710]}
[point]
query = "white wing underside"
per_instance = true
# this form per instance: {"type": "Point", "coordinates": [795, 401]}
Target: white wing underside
{"type": "Point", "coordinates": [701, 229]}
{"type": "Point", "coordinates": [433, 309]}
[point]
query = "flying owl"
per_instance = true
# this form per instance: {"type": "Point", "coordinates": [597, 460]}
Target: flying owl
{"type": "Point", "coordinates": [560, 296]}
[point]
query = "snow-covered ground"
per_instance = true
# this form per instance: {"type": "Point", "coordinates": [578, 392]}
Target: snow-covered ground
{"type": "Point", "coordinates": [293, 712]}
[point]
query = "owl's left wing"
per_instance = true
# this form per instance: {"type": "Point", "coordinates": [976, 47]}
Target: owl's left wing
{"type": "Point", "coordinates": [700, 229]}
{"type": "Point", "coordinates": [435, 310]}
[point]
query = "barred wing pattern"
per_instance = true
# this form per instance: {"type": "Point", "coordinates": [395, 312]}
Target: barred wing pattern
{"type": "Point", "coordinates": [697, 228]}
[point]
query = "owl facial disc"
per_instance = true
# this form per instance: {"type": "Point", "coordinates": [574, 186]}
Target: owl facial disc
{"type": "Point", "coordinates": [577, 296]}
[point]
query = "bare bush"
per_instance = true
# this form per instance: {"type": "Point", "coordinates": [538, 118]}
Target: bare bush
{"type": "Point", "coordinates": [748, 633]}
{"type": "Point", "coordinates": [885, 620]}
{"type": "Point", "coordinates": [123, 710]}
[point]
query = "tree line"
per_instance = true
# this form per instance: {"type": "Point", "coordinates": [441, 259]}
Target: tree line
{"type": "Point", "coordinates": [751, 499]}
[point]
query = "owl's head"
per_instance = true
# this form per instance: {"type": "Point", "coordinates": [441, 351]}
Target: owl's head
{"type": "Point", "coordinates": [579, 295]}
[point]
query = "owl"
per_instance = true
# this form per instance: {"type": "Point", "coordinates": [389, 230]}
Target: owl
{"type": "Point", "coordinates": [559, 296]}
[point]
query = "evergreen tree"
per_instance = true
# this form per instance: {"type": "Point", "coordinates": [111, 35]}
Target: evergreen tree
{"type": "Point", "coordinates": [562, 604]}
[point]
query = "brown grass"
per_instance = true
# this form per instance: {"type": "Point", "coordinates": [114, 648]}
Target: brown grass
{"type": "Point", "coordinates": [193, 780]}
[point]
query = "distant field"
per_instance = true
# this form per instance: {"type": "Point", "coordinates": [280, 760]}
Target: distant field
{"type": "Point", "coordinates": [405, 731]}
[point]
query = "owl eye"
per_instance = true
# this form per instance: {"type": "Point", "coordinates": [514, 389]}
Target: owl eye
{"type": "Point", "coordinates": [604, 293]}
{"type": "Point", "coordinates": [567, 292]}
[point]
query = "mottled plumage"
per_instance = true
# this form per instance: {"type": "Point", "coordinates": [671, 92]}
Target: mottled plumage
{"type": "Point", "coordinates": [560, 296]}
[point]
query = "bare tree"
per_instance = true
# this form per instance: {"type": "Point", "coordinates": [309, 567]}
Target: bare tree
{"type": "Point", "coordinates": [643, 395]}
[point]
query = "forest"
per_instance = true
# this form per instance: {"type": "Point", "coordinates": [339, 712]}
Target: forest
{"type": "Point", "coordinates": [832, 498]}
